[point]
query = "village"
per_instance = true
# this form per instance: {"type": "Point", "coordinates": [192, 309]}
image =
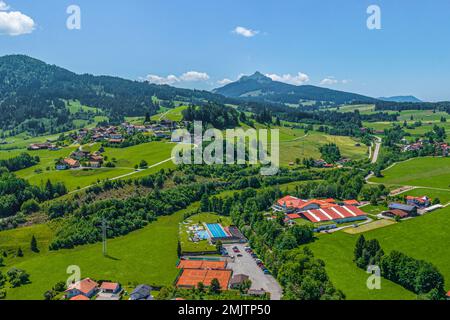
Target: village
{"type": "Point", "coordinates": [123, 135]}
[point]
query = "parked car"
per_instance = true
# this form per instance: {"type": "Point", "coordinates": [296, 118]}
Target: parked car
{"type": "Point", "coordinates": [266, 271]}
{"type": "Point", "coordinates": [239, 255]}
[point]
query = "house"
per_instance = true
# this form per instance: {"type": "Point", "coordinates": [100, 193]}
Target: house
{"type": "Point", "coordinates": [237, 280]}
{"type": "Point", "coordinates": [410, 210]}
{"type": "Point", "coordinates": [115, 141]}
{"type": "Point", "coordinates": [355, 203]}
{"type": "Point", "coordinates": [142, 292]}
{"type": "Point", "coordinates": [394, 213]}
{"type": "Point", "coordinates": [94, 164]}
{"type": "Point", "coordinates": [110, 288]}
{"type": "Point", "coordinates": [86, 287]}
{"type": "Point", "coordinates": [419, 202]}
{"type": "Point", "coordinates": [71, 163]}
{"type": "Point", "coordinates": [79, 155]}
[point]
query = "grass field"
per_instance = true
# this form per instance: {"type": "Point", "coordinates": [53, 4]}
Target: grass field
{"type": "Point", "coordinates": [145, 256]}
{"type": "Point", "coordinates": [301, 146]}
{"type": "Point", "coordinates": [422, 238]}
{"type": "Point", "coordinates": [202, 246]}
{"type": "Point", "coordinates": [126, 159]}
{"type": "Point", "coordinates": [174, 114]}
{"type": "Point", "coordinates": [421, 172]}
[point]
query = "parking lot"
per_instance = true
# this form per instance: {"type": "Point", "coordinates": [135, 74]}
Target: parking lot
{"type": "Point", "coordinates": [247, 265]}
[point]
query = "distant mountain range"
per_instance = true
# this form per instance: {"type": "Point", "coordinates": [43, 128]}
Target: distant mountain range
{"type": "Point", "coordinates": [400, 99]}
{"type": "Point", "coordinates": [261, 87]}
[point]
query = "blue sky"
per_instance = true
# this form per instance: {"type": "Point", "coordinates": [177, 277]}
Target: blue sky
{"type": "Point", "coordinates": [323, 43]}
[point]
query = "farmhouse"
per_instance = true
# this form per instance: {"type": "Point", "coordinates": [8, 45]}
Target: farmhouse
{"type": "Point", "coordinates": [419, 202]}
{"type": "Point", "coordinates": [85, 287]}
{"type": "Point", "coordinates": [394, 213]}
{"type": "Point", "coordinates": [41, 146]}
{"type": "Point", "coordinates": [409, 210]}
{"type": "Point", "coordinates": [71, 163]}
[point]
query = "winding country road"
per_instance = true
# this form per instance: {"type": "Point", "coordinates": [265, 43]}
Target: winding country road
{"type": "Point", "coordinates": [127, 175]}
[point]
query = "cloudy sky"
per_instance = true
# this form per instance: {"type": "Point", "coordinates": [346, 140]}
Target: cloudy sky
{"type": "Point", "coordinates": [205, 44]}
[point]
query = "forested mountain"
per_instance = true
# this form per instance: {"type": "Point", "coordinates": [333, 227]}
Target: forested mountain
{"type": "Point", "coordinates": [32, 89]}
{"type": "Point", "coordinates": [400, 99]}
{"type": "Point", "coordinates": [260, 87]}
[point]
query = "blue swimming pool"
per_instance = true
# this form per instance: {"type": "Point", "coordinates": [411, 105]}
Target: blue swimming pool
{"type": "Point", "coordinates": [216, 230]}
{"type": "Point", "coordinates": [203, 235]}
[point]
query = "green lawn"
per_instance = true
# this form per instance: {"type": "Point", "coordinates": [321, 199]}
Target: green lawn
{"type": "Point", "coordinates": [144, 256]}
{"type": "Point", "coordinates": [421, 172]}
{"type": "Point", "coordinates": [422, 238]}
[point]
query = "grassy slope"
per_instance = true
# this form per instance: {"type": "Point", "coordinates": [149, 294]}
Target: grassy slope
{"type": "Point", "coordinates": [422, 172]}
{"type": "Point", "coordinates": [127, 158]}
{"type": "Point", "coordinates": [144, 256]}
{"type": "Point", "coordinates": [422, 238]}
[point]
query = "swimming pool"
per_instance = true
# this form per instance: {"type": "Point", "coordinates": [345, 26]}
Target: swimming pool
{"type": "Point", "coordinates": [203, 235]}
{"type": "Point", "coordinates": [216, 230]}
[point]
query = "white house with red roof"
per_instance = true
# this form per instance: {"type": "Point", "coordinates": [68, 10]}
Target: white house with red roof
{"type": "Point", "coordinates": [86, 287]}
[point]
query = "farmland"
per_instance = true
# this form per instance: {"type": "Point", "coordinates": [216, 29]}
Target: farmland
{"type": "Point", "coordinates": [420, 172]}
{"type": "Point", "coordinates": [144, 256]}
{"type": "Point", "coordinates": [414, 237]}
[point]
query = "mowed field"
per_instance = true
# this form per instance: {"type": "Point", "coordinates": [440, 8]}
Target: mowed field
{"type": "Point", "coordinates": [423, 238]}
{"type": "Point", "coordinates": [146, 256]}
{"type": "Point", "coordinates": [295, 143]}
{"type": "Point", "coordinates": [422, 172]}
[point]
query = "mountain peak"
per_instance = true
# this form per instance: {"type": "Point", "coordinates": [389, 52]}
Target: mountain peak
{"type": "Point", "coordinates": [257, 76]}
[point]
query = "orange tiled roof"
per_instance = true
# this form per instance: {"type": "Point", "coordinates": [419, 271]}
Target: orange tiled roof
{"type": "Point", "coordinates": [109, 286]}
{"type": "Point", "coordinates": [79, 297]}
{"type": "Point", "coordinates": [84, 286]}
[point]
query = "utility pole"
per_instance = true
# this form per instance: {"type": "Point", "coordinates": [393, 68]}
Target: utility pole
{"type": "Point", "coordinates": [104, 236]}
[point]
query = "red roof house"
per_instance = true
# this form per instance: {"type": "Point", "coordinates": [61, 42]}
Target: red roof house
{"type": "Point", "coordinates": [85, 287]}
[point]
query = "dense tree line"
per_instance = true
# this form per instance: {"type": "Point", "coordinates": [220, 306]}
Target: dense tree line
{"type": "Point", "coordinates": [17, 194]}
{"type": "Point", "coordinates": [215, 115]}
{"type": "Point", "coordinates": [402, 106]}
{"type": "Point", "coordinates": [20, 162]}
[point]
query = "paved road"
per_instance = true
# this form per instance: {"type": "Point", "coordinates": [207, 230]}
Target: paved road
{"type": "Point", "coordinates": [247, 265]}
{"type": "Point", "coordinates": [128, 174]}
{"type": "Point", "coordinates": [377, 150]}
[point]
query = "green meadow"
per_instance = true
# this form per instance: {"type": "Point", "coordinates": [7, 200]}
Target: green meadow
{"type": "Point", "coordinates": [422, 238]}
{"type": "Point", "coordinates": [421, 172]}
{"type": "Point", "coordinates": [146, 256]}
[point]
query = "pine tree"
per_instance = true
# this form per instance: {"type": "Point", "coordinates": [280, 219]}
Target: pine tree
{"type": "Point", "coordinates": [360, 244]}
{"type": "Point", "coordinates": [20, 252]}
{"type": "Point", "coordinates": [33, 245]}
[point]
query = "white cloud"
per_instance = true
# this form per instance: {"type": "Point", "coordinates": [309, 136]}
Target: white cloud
{"type": "Point", "coordinates": [14, 23]}
{"type": "Point", "coordinates": [330, 80]}
{"type": "Point", "coordinates": [3, 6]}
{"type": "Point", "coordinates": [298, 79]}
{"type": "Point", "coordinates": [245, 32]}
{"type": "Point", "coordinates": [225, 81]}
{"type": "Point", "coordinates": [153, 78]}
{"type": "Point", "coordinates": [191, 76]}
